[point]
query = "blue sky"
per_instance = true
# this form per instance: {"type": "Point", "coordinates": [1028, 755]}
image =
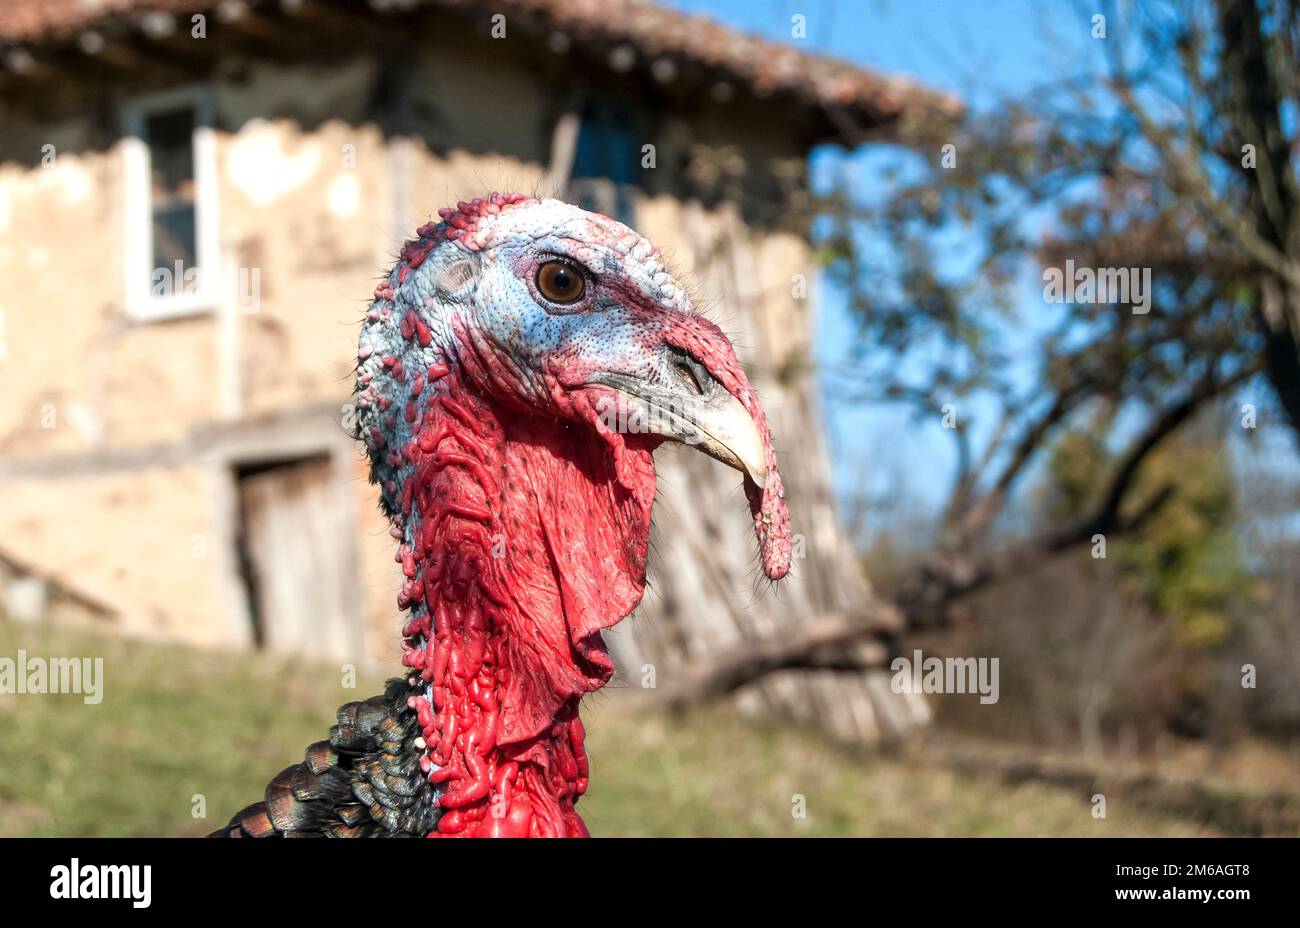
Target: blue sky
{"type": "Point", "coordinates": [953, 45]}
{"type": "Point", "coordinates": [975, 51]}
{"type": "Point", "coordinates": [979, 52]}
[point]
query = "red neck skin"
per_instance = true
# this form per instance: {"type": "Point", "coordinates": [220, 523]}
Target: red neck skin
{"type": "Point", "coordinates": [522, 537]}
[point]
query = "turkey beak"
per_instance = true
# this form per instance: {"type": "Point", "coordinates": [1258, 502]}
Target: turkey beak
{"type": "Point", "coordinates": [693, 409]}
{"type": "Point", "coordinates": [724, 430]}
{"type": "Point", "coordinates": [713, 408]}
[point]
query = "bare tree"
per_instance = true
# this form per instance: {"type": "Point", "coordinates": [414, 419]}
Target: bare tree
{"type": "Point", "coordinates": [1168, 163]}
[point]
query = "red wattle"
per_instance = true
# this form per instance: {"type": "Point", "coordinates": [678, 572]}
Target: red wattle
{"type": "Point", "coordinates": [520, 544]}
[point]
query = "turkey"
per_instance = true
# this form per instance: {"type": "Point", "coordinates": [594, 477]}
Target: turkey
{"type": "Point", "coordinates": [516, 371]}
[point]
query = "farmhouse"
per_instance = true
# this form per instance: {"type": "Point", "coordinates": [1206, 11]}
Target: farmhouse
{"type": "Point", "coordinates": [195, 201]}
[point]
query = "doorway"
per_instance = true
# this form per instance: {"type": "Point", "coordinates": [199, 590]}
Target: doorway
{"type": "Point", "coordinates": [294, 556]}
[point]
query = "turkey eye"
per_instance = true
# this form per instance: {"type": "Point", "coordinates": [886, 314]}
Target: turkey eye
{"type": "Point", "coordinates": [560, 282]}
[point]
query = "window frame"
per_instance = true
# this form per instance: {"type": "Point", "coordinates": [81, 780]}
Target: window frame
{"type": "Point", "coordinates": [604, 190]}
{"type": "Point", "coordinates": [141, 304]}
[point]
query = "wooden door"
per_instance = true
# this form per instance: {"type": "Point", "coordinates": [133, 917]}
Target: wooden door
{"type": "Point", "coordinates": [297, 562]}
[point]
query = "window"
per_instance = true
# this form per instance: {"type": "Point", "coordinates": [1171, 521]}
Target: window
{"type": "Point", "coordinates": [170, 137]}
{"type": "Point", "coordinates": [607, 162]}
{"type": "Point", "coordinates": [171, 248]}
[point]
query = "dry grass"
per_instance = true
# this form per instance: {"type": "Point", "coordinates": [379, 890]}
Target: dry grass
{"type": "Point", "coordinates": [175, 723]}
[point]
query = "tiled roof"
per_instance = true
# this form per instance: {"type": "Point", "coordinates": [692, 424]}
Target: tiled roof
{"type": "Point", "coordinates": [845, 93]}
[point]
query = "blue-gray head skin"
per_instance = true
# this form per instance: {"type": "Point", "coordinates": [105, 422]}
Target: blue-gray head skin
{"type": "Point", "coordinates": [543, 307]}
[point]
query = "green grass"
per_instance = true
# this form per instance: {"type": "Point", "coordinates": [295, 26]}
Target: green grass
{"type": "Point", "coordinates": [176, 722]}
{"type": "Point", "coordinates": [716, 774]}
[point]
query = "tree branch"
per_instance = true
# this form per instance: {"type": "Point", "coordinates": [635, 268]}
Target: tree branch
{"type": "Point", "coordinates": [924, 599]}
{"type": "Point", "coordinates": [1187, 174]}
{"type": "Point", "coordinates": [836, 643]}
{"type": "Point", "coordinates": [830, 642]}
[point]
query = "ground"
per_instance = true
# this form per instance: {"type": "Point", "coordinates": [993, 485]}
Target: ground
{"type": "Point", "coordinates": [182, 733]}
